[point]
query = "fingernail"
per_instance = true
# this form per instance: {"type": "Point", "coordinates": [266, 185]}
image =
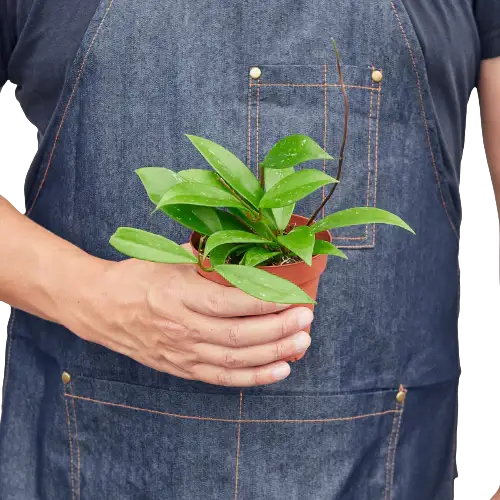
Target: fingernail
{"type": "Point", "coordinates": [304, 318]}
{"type": "Point", "coordinates": [302, 342]}
{"type": "Point", "coordinates": [282, 371]}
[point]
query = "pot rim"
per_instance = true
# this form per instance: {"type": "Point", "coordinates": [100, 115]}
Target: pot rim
{"type": "Point", "coordinates": [281, 266]}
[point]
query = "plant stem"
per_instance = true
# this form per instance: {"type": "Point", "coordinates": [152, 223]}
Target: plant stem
{"type": "Point", "coordinates": [200, 259]}
{"type": "Point", "coordinates": [346, 120]}
{"type": "Point", "coordinates": [261, 177]}
{"type": "Point", "coordinates": [240, 199]}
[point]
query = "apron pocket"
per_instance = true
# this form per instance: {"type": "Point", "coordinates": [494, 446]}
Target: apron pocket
{"type": "Point", "coordinates": [307, 99]}
{"type": "Point", "coordinates": [131, 441]}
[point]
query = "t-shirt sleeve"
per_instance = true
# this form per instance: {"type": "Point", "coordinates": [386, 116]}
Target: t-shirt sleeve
{"type": "Point", "coordinates": [7, 36]}
{"type": "Point", "coordinates": [488, 21]}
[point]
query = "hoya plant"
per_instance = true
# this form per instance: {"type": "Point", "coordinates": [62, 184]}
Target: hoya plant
{"type": "Point", "coordinates": [244, 227]}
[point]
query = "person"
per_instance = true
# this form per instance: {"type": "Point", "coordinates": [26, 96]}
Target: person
{"type": "Point", "coordinates": [128, 379]}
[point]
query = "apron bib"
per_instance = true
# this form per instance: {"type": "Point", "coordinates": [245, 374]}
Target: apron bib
{"type": "Point", "coordinates": [369, 413]}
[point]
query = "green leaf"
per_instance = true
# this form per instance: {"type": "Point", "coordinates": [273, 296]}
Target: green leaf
{"type": "Point", "coordinates": [357, 216]}
{"type": "Point", "coordinates": [220, 254]}
{"type": "Point", "coordinates": [230, 168]}
{"type": "Point", "coordinates": [293, 150]}
{"type": "Point", "coordinates": [263, 285]}
{"type": "Point", "coordinates": [301, 242]}
{"type": "Point", "coordinates": [195, 193]}
{"type": "Point", "coordinates": [295, 187]}
{"type": "Point", "coordinates": [224, 237]}
{"type": "Point", "coordinates": [199, 175]}
{"type": "Point", "coordinates": [203, 220]}
{"type": "Point", "coordinates": [325, 248]}
{"type": "Point", "coordinates": [148, 246]}
{"type": "Point", "coordinates": [281, 215]}
{"type": "Point", "coordinates": [257, 255]}
{"type": "Point", "coordinates": [157, 181]}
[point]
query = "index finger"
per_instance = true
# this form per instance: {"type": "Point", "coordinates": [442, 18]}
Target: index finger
{"type": "Point", "coordinates": [212, 299]}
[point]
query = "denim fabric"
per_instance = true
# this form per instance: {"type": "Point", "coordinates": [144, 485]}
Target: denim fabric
{"type": "Point", "coordinates": [145, 74]}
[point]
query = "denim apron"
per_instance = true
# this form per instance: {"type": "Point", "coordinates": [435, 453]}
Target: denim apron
{"type": "Point", "coordinates": [370, 412]}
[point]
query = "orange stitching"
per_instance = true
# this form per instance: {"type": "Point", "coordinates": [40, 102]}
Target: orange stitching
{"type": "Point", "coordinates": [349, 238]}
{"type": "Point", "coordinates": [313, 85]}
{"type": "Point", "coordinates": [370, 116]}
{"type": "Point", "coordinates": [424, 115]}
{"type": "Point", "coordinates": [387, 462]}
{"type": "Point", "coordinates": [70, 451]}
{"type": "Point", "coordinates": [9, 351]}
{"type": "Point", "coordinates": [66, 109]}
{"type": "Point", "coordinates": [238, 447]}
{"type": "Point", "coordinates": [249, 147]}
{"type": "Point", "coordinates": [376, 160]}
{"type": "Point", "coordinates": [257, 170]}
{"type": "Point", "coordinates": [78, 490]}
{"type": "Point", "coordinates": [396, 440]}
{"type": "Point", "coordinates": [324, 132]}
{"type": "Point", "coordinates": [355, 247]}
{"type": "Point", "coordinates": [233, 420]}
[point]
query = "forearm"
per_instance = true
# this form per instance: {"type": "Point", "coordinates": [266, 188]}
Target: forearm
{"type": "Point", "coordinates": [39, 272]}
{"type": "Point", "coordinates": [489, 92]}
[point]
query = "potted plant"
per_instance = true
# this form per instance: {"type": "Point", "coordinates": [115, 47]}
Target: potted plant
{"type": "Point", "coordinates": [245, 232]}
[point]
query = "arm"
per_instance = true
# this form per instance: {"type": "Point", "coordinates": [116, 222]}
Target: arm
{"type": "Point", "coordinates": [164, 316]}
{"type": "Point", "coordinates": [489, 98]}
{"type": "Point", "coordinates": [35, 266]}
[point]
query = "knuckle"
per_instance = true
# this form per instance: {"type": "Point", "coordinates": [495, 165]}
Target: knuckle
{"type": "Point", "coordinates": [234, 334]}
{"type": "Point", "coordinates": [278, 351]}
{"type": "Point", "coordinates": [258, 377]}
{"type": "Point", "coordinates": [232, 362]}
{"type": "Point", "coordinates": [223, 377]}
{"type": "Point", "coordinates": [216, 302]}
{"type": "Point", "coordinates": [284, 327]}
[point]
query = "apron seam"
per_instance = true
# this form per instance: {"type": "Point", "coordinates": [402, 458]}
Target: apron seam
{"type": "Point", "coordinates": [396, 441]}
{"type": "Point", "coordinates": [78, 460]}
{"type": "Point", "coordinates": [347, 86]}
{"type": "Point", "coordinates": [238, 445]}
{"type": "Point", "coordinates": [424, 115]}
{"type": "Point", "coordinates": [10, 333]}
{"type": "Point", "coordinates": [234, 420]}
{"type": "Point", "coordinates": [66, 109]}
{"type": "Point", "coordinates": [70, 441]}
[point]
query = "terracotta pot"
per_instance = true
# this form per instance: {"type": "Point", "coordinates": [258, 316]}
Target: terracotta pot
{"type": "Point", "coordinates": [304, 276]}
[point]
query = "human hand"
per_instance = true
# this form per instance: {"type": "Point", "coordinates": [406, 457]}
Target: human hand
{"type": "Point", "coordinates": [171, 319]}
{"type": "Point", "coordinates": [496, 496]}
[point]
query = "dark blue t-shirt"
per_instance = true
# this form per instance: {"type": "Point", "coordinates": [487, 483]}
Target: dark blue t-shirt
{"type": "Point", "coordinates": [39, 39]}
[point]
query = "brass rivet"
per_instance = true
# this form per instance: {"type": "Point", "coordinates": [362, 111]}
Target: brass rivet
{"type": "Point", "coordinates": [400, 397]}
{"type": "Point", "coordinates": [377, 76]}
{"type": "Point", "coordinates": [66, 377]}
{"type": "Point", "coordinates": [255, 73]}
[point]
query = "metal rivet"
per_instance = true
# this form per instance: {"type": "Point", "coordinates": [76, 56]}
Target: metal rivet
{"type": "Point", "coordinates": [255, 73]}
{"type": "Point", "coordinates": [400, 397]}
{"type": "Point", "coordinates": [377, 76]}
{"type": "Point", "coordinates": [66, 377]}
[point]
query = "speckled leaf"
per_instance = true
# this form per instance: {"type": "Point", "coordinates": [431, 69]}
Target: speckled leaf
{"type": "Point", "coordinates": [293, 150]}
{"type": "Point", "coordinates": [257, 255]}
{"type": "Point", "coordinates": [148, 246]}
{"type": "Point", "coordinates": [224, 237]}
{"type": "Point", "coordinates": [300, 241]}
{"type": "Point", "coordinates": [220, 254]}
{"type": "Point", "coordinates": [357, 216]}
{"type": "Point", "coordinates": [272, 176]}
{"type": "Point", "coordinates": [326, 248]}
{"type": "Point", "coordinates": [157, 181]}
{"type": "Point", "coordinates": [195, 193]}
{"type": "Point", "coordinates": [199, 175]}
{"type": "Point", "coordinates": [230, 168]}
{"type": "Point", "coordinates": [295, 187]}
{"type": "Point", "coordinates": [263, 285]}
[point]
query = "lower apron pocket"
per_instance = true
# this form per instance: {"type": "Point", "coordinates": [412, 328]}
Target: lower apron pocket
{"type": "Point", "coordinates": [129, 442]}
